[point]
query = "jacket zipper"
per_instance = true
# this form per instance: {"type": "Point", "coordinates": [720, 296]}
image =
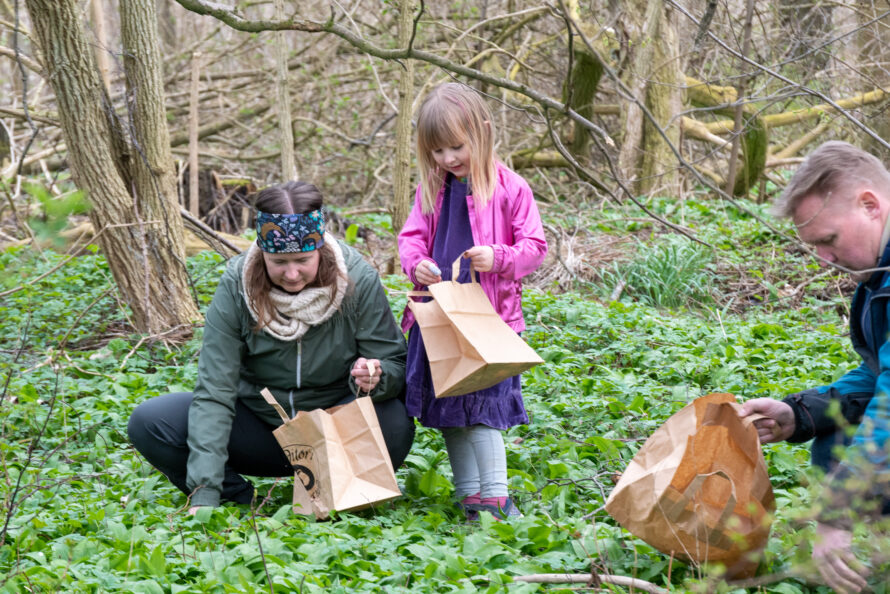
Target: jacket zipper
{"type": "Point", "coordinates": [869, 356]}
{"type": "Point", "coordinates": [293, 411]}
{"type": "Point", "coordinates": [299, 362]}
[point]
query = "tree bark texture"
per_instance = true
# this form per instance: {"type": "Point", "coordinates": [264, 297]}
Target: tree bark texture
{"type": "Point", "coordinates": [654, 77]}
{"type": "Point", "coordinates": [288, 160]}
{"type": "Point", "coordinates": [131, 189]}
{"type": "Point", "coordinates": [154, 173]}
{"type": "Point", "coordinates": [581, 84]}
{"type": "Point", "coordinates": [194, 199]}
{"type": "Point", "coordinates": [97, 13]}
{"type": "Point", "coordinates": [874, 55]}
{"type": "Point", "coordinates": [402, 195]}
{"type": "Point", "coordinates": [739, 108]}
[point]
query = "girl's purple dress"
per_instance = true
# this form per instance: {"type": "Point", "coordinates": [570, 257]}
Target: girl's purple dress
{"type": "Point", "coordinates": [499, 406]}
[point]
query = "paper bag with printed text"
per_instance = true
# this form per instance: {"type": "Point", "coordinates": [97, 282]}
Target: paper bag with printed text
{"type": "Point", "coordinates": [339, 458]}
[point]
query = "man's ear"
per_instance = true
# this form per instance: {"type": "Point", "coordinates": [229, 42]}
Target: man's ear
{"type": "Point", "coordinates": [871, 203]}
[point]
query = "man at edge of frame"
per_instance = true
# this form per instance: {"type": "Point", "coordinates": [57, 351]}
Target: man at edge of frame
{"type": "Point", "coordinates": [839, 201]}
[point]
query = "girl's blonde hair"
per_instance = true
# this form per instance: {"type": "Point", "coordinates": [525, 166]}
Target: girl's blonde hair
{"type": "Point", "coordinates": [453, 114]}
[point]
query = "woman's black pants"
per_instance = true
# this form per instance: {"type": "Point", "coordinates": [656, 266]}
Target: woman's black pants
{"type": "Point", "coordinates": [159, 430]}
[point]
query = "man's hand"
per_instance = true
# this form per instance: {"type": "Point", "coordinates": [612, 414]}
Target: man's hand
{"type": "Point", "coordinates": [779, 424]}
{"type": "Point", "coordinates": [835, 561]}
{"type": "Point", "coordinates": [482, 257]}
{"type": "Point", "coordinates": [427, 273]}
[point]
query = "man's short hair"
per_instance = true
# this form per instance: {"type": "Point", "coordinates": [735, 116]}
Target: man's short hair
{"type": "Point", "coordinates": [833, 167]}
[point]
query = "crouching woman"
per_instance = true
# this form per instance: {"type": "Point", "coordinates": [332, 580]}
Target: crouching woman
{"type": "Point", "coordinates": [299, 313]}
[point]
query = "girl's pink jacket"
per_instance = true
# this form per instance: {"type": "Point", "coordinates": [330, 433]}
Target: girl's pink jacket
{"type": "Point", "coordinates": [510, 224]}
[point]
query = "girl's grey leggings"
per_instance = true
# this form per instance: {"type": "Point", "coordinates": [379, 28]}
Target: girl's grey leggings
{"type": "Point", "coordinates": [478, 460]}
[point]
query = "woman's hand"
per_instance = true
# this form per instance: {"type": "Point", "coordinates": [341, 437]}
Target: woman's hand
{"type": "Point", "coordinates": [194, 509]}
{"type": "Point", "coordinates": [427, 273]}
{"type": "Point", "coordinates": [366, 379]}
{"type": "Point", "coordinates": [482, 257]}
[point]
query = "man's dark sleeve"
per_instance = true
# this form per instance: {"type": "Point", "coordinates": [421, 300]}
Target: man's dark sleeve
{"type": "Point", "coordinates": [812, 411]}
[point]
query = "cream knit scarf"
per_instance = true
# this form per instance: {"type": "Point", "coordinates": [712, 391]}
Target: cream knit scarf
{"type": "Point", "coordinates": [295, 313]}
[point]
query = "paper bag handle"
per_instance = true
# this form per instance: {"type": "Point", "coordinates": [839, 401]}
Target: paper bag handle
{"type": "Point", "coordinates": [371, 368]}
{"type": "Point", "coordinates": [267, 395]}
{"type": "Point", "coordinates": [455, 270]}
{"type": "Point", "coordinates": [751, 419]}
{"type": "Point", "coordinates": [715, 536]}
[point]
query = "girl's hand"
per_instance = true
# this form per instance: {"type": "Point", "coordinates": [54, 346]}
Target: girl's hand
{"type": "Point", "coordinates": [366, 380]}
{"type": "Point", "coordinates": [427, 273]}
{"type": "Point", "coordinates": [482, 257]}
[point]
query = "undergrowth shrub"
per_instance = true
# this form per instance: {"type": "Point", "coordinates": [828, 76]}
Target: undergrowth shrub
{"type": "Point", "coordinates": [671, 273]}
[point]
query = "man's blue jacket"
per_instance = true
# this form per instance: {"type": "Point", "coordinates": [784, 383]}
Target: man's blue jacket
{"type": "Point", "coordinates": [861, 483]}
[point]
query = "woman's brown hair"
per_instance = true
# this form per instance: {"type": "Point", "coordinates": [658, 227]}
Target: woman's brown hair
{"type": "Point", "coordinates": [293, 197]}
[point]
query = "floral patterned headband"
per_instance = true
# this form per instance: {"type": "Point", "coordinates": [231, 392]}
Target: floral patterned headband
{"type": "Point", "coordinates": [289, 233]}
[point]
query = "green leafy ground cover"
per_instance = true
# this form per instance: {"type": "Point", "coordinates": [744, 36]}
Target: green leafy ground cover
{"type": "Point", "coordinates": [84, 513]}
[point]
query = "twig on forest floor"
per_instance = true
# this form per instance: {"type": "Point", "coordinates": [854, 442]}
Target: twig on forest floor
{"type": "Point", "coordinates": [584, 578]}
{"type": "Point", "coordinates": [259, 543]}
{"type": "Point", "coordinates": [151, 337]}
{"type": "Point", "coordinates": [363, 211]}
{"type": "Point", "coordinates": [616, 292]}
{"type": "Point", "coordinates": [764, 580]}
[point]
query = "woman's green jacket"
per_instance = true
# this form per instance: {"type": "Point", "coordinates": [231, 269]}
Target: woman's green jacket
{"type": "Point", "coordinates": [312, 372]}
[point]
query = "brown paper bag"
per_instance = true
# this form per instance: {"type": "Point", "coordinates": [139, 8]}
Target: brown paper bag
{"type": "Point", "coordinates": [698, 489]}
{"type": "Point", "coordinates": [339, 457]}
{"type": "Point", "coordinates": [467, 343]}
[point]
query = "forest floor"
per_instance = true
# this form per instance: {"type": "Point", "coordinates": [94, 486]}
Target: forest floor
{"type": "Point", "coordinates": [633, 324]}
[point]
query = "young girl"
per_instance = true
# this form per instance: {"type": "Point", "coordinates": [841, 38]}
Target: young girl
{"type": "Point", "coordinates": [469, 205]}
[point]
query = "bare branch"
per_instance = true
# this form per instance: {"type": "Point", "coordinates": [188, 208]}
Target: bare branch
{"type": "Point", "coordinates": [802, 88]}
{"type": "Point", "coordinates": [231, 18]}
{"type": "Point", "coordinates": [43, 118]}
{"type": "Point", "coordinates": [585, 578]}
{"type": "Point", "coordinates": [29, 63]}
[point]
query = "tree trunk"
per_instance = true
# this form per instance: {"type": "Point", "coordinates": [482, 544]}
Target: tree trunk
{"type": "Point", "coordinates": [807, 24]}
{"type": "Point", "coordinates": [132, 192]}
{"type": "Point", "coordinates": [194, 197]}
{"type": "Point", "coordinates": [739, 108]}
{"type": "Point", "coordinates": [401, 186]}
{"type": "Point", "coordinates": [653, 75]}
{"type": "Point", "coordinates": [97, 13]}
{"type": "Point", "coordinates": [288, 161]}
{"type": "Point", "coordinates": [874, 56]}
{"type": "Point", "coordinates": [167, 24]}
